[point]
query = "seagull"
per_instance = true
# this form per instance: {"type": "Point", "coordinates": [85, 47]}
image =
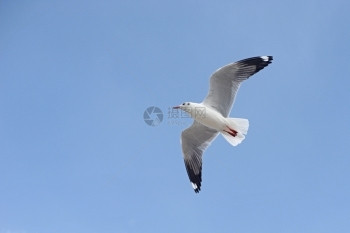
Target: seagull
{"type": "Point", "coordinates": [211, 115]}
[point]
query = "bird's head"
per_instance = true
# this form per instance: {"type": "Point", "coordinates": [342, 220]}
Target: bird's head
{"type": "Point", "coordinates": [186, 106]}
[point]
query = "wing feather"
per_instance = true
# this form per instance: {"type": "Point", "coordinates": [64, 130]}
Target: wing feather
{"type": "Point", "coordinates": [194, 141]}
{"type": "Point", "coordinates": [225, 82]}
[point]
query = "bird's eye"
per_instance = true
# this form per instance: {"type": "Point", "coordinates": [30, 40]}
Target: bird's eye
{"type": "Point", "coordinates": [188, 103]}
{"type": "Point", "coordinates": [183, 104]}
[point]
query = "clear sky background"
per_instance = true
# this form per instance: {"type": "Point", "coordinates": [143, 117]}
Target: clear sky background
{"type": "Point", "coordinates": [77, 156]}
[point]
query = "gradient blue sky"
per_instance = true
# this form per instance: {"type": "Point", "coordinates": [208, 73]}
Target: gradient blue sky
{"type": "Point", "coordinates": [77, 76]}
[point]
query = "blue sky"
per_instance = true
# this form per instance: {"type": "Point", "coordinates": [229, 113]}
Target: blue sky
{"type": "Point", "coordinates": [77, 156]}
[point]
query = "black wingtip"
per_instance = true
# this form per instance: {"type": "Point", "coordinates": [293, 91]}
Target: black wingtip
{"type": "Point", "coordinates": [260, 62]}
{"type": "Point", "coordinates": [195, 177]}
{"type": "Point", "coordinates": [269, 58]}
{"type": "Point", "coordinates": [264, 61]}
{"type": "Point", "coordinates": [197, 188]}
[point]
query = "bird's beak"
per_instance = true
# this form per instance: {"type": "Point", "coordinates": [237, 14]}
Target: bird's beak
{"type": "Point", "coordinates": [176, 107]}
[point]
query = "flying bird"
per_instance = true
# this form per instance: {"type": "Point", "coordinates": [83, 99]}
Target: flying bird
{"type": "Point", "coordinates": [211, 115]}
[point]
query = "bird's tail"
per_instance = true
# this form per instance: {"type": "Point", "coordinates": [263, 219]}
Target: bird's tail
{"type": "Point", "coordinates": [235, 131]}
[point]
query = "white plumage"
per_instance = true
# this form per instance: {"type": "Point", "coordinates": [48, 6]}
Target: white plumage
{"type": "Point", "coordinates": [211, 116]}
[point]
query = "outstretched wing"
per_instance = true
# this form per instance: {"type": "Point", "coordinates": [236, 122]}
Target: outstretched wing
{"type": "Point", "coordinates": [195, 140]}
{"type": "Point", "coordinates": [224, 82]}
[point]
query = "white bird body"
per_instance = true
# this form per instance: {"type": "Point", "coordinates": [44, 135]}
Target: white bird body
{"type": "Point", "coordinates": [233, 129]}
{"type": "Point", "coordinates": [206, 115]}
{"type": "Point", "coordinates": [211, 116]}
